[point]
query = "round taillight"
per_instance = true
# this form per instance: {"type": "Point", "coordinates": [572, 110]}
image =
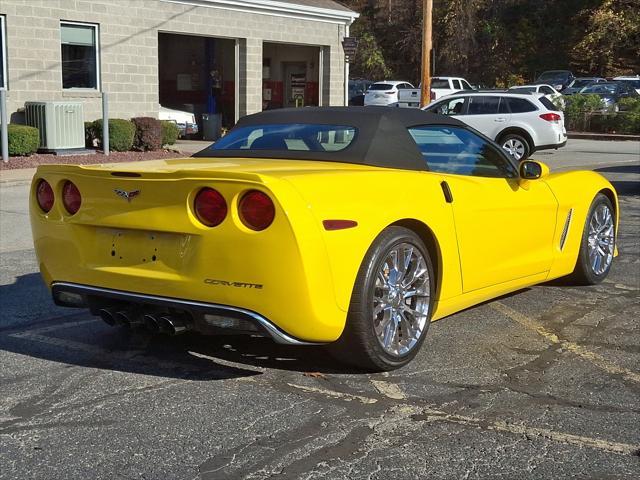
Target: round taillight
{"type": "Point", "coordinates": [210, 207]}
{"type": "Point", "coordinates": [256, 210]}
{"type": "Point", "coordinates": [71, 197]}
{"type": "Point", "coordinates": [44, 195]}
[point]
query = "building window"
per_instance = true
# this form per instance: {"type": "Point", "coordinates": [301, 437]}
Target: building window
{"type": "Point", "coordinates": [80, 65]}
{"type": "Point", "coordinates": [3, 54]}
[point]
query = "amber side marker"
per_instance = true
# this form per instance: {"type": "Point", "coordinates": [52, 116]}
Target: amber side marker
{"type": "Point", "coordinates": [339, 224]}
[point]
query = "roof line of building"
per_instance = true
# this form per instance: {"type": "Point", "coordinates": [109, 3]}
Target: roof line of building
{"type": "Point", "coordinates": [276, 8]}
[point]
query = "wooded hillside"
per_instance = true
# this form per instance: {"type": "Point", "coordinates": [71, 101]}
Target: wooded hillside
{"type": "Point", "coordinates": [498, 42]}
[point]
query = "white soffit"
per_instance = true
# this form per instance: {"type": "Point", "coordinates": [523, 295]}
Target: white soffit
{"type": "Point", "coordinates": [278, 9]}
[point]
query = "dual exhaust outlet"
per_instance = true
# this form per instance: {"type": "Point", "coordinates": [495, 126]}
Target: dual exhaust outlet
{"type": "Point", "coordinates": [161, 323]}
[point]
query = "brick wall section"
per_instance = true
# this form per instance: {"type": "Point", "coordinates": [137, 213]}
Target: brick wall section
{"type": "Point", "coordinates": [129, 49]}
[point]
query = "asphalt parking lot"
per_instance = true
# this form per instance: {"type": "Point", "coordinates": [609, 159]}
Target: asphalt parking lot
{"type": "Point", "coordinates": [543, 383]}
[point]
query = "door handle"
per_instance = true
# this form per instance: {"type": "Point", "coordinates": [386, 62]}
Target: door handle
{"type": "Point", "coordinates": [447, 192]}
{"type": "Point", "coordinates": [500, 119]}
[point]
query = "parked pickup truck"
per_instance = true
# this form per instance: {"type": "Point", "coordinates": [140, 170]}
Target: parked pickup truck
{"type": "Point", "coordinates": [440, 86]}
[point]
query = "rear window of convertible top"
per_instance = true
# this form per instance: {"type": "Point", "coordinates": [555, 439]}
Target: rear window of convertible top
{"type": "Point", "coordinates": [298, 137]}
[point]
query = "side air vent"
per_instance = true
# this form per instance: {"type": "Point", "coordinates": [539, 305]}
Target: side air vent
{"type": "Point", "coordinates": [565, 229]}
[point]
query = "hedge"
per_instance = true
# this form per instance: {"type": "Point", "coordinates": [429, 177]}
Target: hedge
{"type": "Point", "coordinates": [586, 113]}
{"type": "Point", "coordinates": [121, 134]}
{"type": "Point", "coordinates": [148, 133]}
{"type": "Point", "coordinates": [23, 140]}
{"type": "Point", "coordinates": [170, 132]}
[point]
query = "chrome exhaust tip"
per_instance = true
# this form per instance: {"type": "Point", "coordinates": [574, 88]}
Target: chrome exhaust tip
{"type": "Point", "coordinates": [166, 326]}
{"type": "Point", "coordinates": [172, 325]}
{"type": "Point", "coordinates": [151, 323]}
{"type": "Point", "coordinates": [109, 316]}
{"type": "Point", "coordinates": [122, 318]}
{"type": "Point", "coordinates": [129, 318]}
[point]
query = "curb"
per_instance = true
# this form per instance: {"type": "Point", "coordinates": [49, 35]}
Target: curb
{"type": "Point", "coordinates": [602, 136]}
{"type": "Point", "coordinates": [17, 176]}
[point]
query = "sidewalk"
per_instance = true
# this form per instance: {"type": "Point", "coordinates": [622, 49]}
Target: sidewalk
{"type": "Point", "coordinates": [19, 176]}
{"type": "Point", "coordinates": [602, 136]}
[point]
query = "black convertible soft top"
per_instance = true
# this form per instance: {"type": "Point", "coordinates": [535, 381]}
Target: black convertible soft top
{"type": "Point", "coordinates": [381, 140]}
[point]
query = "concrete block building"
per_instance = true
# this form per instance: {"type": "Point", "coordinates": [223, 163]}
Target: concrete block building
{"type": "Point", "coordinates": [232, 57]}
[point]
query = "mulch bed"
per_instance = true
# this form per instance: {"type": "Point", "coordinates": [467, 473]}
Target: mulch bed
{"type": "Point", "coordinates": [98, 157]}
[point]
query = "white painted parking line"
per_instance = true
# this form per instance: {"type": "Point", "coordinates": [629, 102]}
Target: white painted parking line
{"type": "Point", "coordinates": [521, 429]}
{"type": "Point", "coordinates": [431, 415]}
{"type": "Point", "coordinates": [53, 328]}
{"type": "Point", "coordinates": [132, 356]}
{"type": "Point", "coordinates": [333, 394]}
{"type": "Point", "coordinates": [592, 357]}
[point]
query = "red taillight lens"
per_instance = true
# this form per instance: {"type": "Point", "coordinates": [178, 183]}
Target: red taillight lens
{"type": "Point", "coordinates": [256, 210]}
{"type": "Point", "coordinates": [210, 207]}
{"type": "Point", "coordinates": [44, 195]}
{"type": "Point", "coordinates": [71, 197]}
{"type": "Point", "coordinates": [551, 117]}
{"type": "Point", "coordinates": [432, 96]}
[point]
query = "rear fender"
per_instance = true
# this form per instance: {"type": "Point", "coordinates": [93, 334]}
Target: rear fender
{"type": "Point", "coordinates": [376, 200]}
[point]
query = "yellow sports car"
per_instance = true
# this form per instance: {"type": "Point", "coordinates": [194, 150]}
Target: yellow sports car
{"type": "Point", "coordinates": [354, 227]}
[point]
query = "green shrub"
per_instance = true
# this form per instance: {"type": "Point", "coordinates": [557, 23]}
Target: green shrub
{"type": "Point", "coordinates": [579, 109]}
{"type": "Point", "coordinates": [23, 140]}
{"type": "Point", "coordinates": [148, 133]}
{"type": "Point", "coordinates": [629, 115]}
{"type": "Point", "coordinates": [89, 135]}
{"type": "Point", "coordinates": [170, 132]}
{"type": "Point", "coordinates": [121, 133]}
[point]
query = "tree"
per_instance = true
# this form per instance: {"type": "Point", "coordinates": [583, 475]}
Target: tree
{"type": "Point", "coordinates": [611, 44]}
{"type": "Point", "coordinates": [498, 42]}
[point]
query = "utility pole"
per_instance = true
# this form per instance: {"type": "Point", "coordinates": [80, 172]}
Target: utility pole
{"type": "Point", "coordinates": [425, 94]}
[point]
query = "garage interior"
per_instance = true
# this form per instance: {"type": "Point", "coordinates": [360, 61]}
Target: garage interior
{"type": "Point", "coordinates": [290, 75]}
{"type": "Point", "coordinates": [197, 75]}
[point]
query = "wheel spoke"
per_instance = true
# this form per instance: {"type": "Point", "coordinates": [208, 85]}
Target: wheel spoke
{"type": "Point", "coordinates": [381, 307]}
{"type": "Point", "coordinates": [407, 327]}
{"type": "Point", "coordinates": [390, 332]}
{"type": "Point", "coordinates": [419, 270]}
{"type": "Point", "coordinates": [414, 313]}
{"type": "Point", "coordinates": [415, 293]}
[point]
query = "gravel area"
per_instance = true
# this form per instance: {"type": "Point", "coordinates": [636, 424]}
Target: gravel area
{"type": "Point", "coordinates": [115, 157]}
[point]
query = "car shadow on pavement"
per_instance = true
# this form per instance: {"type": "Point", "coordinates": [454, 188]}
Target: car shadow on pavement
{"type": "Point", "coordinates": [70, 336]}
{"type": "Point", "coordinates": [624, 187]}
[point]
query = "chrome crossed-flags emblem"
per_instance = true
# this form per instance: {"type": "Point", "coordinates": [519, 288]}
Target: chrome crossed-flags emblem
{"type": "Point", "coordinates": [128, 196]}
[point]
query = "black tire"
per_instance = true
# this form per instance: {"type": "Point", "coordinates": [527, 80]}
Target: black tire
{"type": "Point", "coordinates": [359, 345]}
{"type": "Point", "coordinates": [516, 138]}
{"type": "Point", "coordinates": [583, 274]}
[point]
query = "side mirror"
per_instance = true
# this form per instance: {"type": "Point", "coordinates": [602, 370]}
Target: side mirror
{"type": "Point", "coordinates": [532, 170]}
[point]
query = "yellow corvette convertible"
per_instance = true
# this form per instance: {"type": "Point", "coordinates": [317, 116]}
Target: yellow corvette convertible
{"type": "Point", "coordinates": [354, 227]}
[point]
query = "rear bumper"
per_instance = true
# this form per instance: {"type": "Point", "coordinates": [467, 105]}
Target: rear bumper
{"type": "Point", "coordinates": [549, 147]}
{"type": "Point", "coordinates": [87, 296]}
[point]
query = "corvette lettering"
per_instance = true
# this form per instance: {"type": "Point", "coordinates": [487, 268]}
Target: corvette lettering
{"type": "Point", "coordinates": [226, 283]}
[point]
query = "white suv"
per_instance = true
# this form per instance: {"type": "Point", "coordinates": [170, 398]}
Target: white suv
{"type": "Point", "coordinates": [384, 93]}
{"type": "Point", "coordinates": [520, 123]}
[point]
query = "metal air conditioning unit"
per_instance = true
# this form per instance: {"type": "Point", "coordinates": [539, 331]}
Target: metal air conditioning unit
{"type": "Point", "coordinates": [61, 124]}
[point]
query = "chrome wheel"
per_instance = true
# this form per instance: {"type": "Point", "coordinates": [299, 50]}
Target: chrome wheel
{"type": "Point", "coordinates": [601, 239]}
{"type": "Point", "coordinates": [401, 299]}
{"type": "Point", "coordinates": [515, 147]}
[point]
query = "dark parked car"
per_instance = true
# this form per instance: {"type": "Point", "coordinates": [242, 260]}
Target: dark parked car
{"type": "Point", "coordinates": [558, 79]}
{"type": "Point", "coordinates": [611, 93]}
{"type": "Point", "coordinates": [580, 83]}
{"type": "Point", "coordinates": [357, 88]}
